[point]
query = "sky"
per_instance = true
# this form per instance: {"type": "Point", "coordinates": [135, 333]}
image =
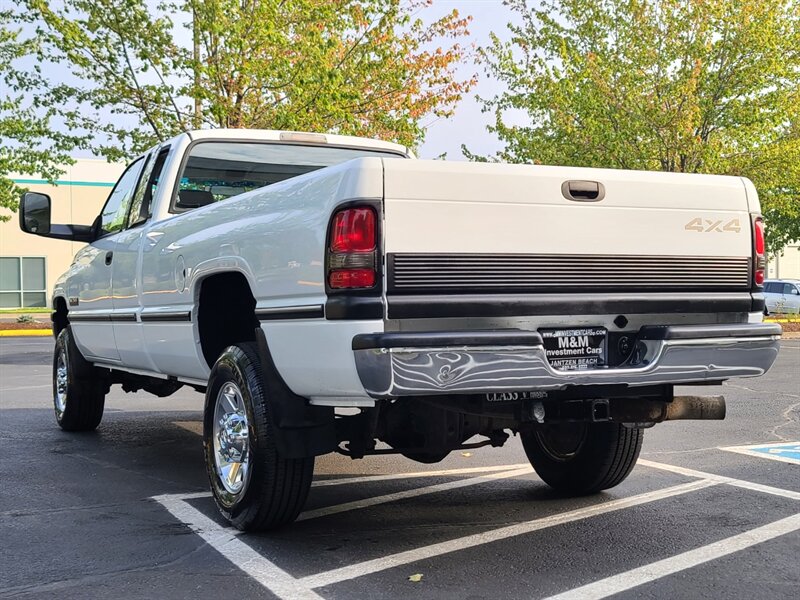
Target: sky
{"type": "Point", "coordinates": [468, 124]}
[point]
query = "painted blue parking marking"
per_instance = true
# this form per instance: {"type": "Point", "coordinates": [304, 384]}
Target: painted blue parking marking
{"type": "Point", "coordinates": [788, 452]}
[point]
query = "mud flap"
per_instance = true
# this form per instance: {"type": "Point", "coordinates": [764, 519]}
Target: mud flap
{"type": "Point", "coordinates": [303, 430]}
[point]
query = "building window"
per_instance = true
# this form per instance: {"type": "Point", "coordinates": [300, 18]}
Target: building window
{"type": "Point", "coordinates": [22, 282]}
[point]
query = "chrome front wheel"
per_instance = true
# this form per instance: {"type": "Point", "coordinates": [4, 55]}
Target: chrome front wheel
{"type": "Point", "coordinates": [79, 389]}
{"type": "Point", "coordinates": [60, 396]}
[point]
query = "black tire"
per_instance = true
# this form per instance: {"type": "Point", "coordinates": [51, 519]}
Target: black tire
{"type": "Point", "coordinates": [79, 388]}
{"type": "Point", "coordinates": [583, 458]}
{"type": "Point", "coordinates": [274, 489]}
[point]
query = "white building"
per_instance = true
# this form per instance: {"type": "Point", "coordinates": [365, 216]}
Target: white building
{"type": "Point", "coordinates": [30, 265]}
{"type": "Point", "coordinates": [787, 264]}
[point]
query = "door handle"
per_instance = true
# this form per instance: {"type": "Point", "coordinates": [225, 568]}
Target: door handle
{"type": "Point", "coordinates": [583, 191]}
{"type": "Point", "coordinates": [109, 257]}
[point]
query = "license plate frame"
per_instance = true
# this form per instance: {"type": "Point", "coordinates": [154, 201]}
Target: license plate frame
{"type": "Point", "coordinates": [575, 348]}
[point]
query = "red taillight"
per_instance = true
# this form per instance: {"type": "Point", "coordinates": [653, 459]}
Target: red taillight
{"type": "Point", "coordinates": [759, 251]}
{"type": "Point", "coordinates": [758, 233]}
{"type": "Point", "coordinates": [352, 278]}
{"type": "Point", "coordinates": [353, 230]}
{"type": "Point", "coordinates": [352, 253]}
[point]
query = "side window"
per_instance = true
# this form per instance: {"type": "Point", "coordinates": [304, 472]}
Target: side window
{"type": "Point", "coordinates": [142, 204]}
{"type": "Point", "coordinates": [788, 289]}
{"type": "Point", "coordinates": [112, 219]}
{"type": "Point", "coordinates": [770, 288]}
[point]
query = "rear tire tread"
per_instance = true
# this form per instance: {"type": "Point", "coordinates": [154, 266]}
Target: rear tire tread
{"type": "Point", "coordinates": [607, 457]}
{"type": "Point", "coordinates": [282, 484]}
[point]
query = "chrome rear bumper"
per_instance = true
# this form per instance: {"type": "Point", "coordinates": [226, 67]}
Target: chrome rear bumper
{"type": "Point", "coordinates": [416, 364]}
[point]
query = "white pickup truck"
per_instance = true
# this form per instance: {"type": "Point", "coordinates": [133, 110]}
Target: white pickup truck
{"type": "Point", "coordinates": [328, 293]}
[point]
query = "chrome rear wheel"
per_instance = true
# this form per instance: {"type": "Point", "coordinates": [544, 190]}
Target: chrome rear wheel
{"type": "Point", "coordinates": [231, 440]}
{"type": "Point", "coordinates": [255, 486]}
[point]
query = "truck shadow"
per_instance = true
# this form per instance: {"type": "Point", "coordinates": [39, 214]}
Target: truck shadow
{"type": "Point", "coordinates": [134, 456]}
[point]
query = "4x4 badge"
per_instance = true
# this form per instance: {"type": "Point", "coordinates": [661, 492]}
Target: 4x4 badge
{"type": "Point", "coordinates": [711, 225]}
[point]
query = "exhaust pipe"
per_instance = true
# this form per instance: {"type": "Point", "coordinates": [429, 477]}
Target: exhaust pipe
{"type": "Point", "coordinates": [706, 408]}
{"type": "Point", "coordinates": [680, 408]}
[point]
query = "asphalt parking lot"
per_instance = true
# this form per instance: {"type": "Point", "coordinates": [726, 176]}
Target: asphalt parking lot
{"type": "Point", "coordinates": [124, 512]}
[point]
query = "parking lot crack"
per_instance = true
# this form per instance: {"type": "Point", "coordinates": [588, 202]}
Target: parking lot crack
{"type": "Point", "coordinates": [63, 584]}
{"type": "Point", "coordinates": [790, 418]}
{"type": "Point", "coordinates": [61, 509]}
{"type": "Point", "coordinates": [754, 391]}
{"type": "Point", "coordinates": [109, 465]}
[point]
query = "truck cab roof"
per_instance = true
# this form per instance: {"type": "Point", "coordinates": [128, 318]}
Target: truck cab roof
{"type": "Point", "coordinates": [296, 137]}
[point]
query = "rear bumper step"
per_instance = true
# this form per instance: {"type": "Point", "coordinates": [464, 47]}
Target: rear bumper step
{"type": "Point", "coordinates": [416, 364]}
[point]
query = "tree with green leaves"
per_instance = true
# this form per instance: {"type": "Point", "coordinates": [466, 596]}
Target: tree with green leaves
{"type": "Point", "coordinates": [37, 134]}
{"type": "Point", "coordinates": [674, 85]}
{"type": "Point", "coordinates": [361, 67]}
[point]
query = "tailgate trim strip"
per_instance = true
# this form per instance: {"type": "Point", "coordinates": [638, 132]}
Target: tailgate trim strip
{"type": "Point", "coordinates": [519, 305]}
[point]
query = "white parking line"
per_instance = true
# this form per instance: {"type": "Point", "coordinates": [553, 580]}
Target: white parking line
{"type": "Point", "coordinates": [674, 564]}
{"type": "Point", "coordinates": [389, 477]}
{"type": "Point", "coordinates": [285, 586]}
{"type": "Point", "coordinates": [756, 487]}
{"type": "Point", "coordinates": [501, 472]}
{"type": "Point", "coordinates": [224, 541]}
{"type": "Point", "coordinates": [190, 496]}
{"type": "Point", "coordinates": [429, 489]}
{"type": "Point", "coordinates": [470, 541]}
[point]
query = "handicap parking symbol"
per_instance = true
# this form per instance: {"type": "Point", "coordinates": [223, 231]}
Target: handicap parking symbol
{"type": "Point", "coordinates": [788, 452]}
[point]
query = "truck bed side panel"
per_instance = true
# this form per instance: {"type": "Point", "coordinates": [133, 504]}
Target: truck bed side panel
{"type": "Point", "coordinates": [274, 236]}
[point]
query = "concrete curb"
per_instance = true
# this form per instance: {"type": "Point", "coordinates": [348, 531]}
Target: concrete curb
{"type": "Point", "coordinates": [25, 332]}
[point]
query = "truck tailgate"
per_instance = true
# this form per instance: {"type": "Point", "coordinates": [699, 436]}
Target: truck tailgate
{"type": "Point", "coordinates": [472, 227]}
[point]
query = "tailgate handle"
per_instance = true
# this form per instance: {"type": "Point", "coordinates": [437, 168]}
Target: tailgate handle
{"type": "Point", "coordinates": [583, 191]}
